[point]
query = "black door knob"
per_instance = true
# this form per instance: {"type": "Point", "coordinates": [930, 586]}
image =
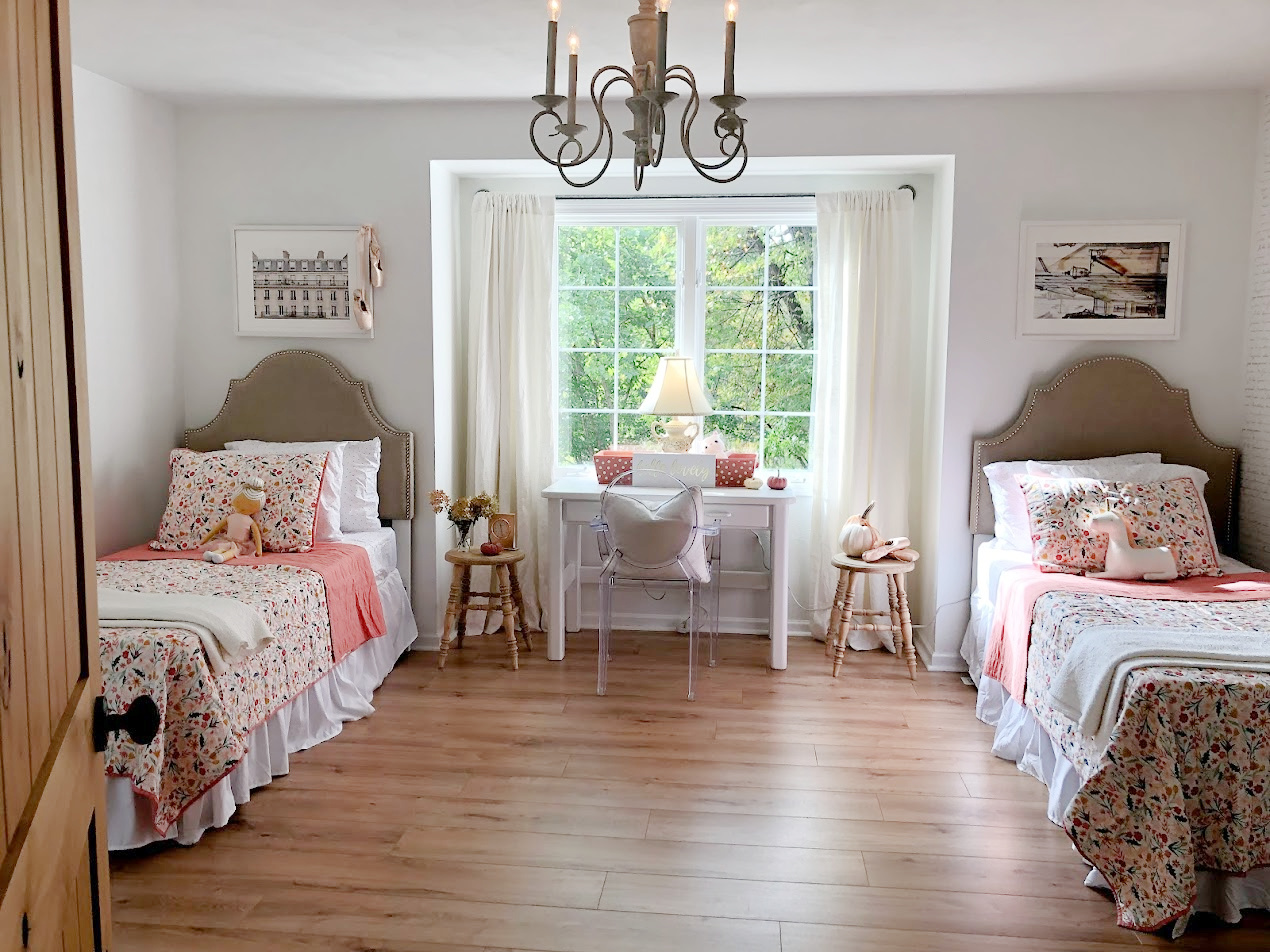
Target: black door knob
{"type": "Point", "coordinates": [140, 721]}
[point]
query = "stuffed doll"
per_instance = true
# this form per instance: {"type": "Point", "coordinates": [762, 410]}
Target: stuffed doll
{"type": "Point", "coordinates": [242, 534]}
{"type": "Point", "coordinates": [714, 444]}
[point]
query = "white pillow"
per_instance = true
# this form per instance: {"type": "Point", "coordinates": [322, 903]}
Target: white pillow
{"type": "Point", "coordinates": [1010, 508]}
{"type": "Point", "coordinates": [359, 490]}
{"type": "Point", "coordinates": [654, 537]}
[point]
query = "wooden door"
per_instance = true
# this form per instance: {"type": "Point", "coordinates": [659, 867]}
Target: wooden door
{"type": "Point", "coordinates": [54, 877]}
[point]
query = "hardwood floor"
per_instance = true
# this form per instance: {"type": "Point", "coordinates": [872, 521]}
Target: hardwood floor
{"type": "Point", "coordinates": [485, 809]}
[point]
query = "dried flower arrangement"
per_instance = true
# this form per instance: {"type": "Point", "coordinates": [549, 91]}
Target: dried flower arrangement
{"type": "Point", "coordinates": [463, 511]}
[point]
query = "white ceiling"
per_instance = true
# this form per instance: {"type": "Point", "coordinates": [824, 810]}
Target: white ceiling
{"type": "Point", "coordinates": [494, 49]}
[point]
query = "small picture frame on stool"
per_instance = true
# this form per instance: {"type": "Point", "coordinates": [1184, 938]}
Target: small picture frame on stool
{"type": "Point", "coordinates": [502, 529]}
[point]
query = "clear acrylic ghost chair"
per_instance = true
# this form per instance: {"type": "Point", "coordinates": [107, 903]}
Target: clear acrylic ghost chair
{"type": "Point", "coordinates": [671, 544]}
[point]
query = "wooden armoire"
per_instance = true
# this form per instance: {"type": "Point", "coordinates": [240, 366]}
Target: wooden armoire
{"type": "Point", "coordinates": [54, 890]}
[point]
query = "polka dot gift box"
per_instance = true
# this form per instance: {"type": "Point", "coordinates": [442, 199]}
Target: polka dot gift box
{"type": "Point", "coordinates": [730, 469]}
{"type": "Point", "coordinates": [733, 469]}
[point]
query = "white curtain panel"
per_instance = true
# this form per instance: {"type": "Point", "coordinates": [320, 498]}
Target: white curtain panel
{"type": "Point", "coordinates": [509, 345]}
{"type": "Point", "coordinates": [865, 411]}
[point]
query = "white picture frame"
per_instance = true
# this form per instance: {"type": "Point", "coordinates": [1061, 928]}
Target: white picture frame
{"type": "Point", "coordinates": [1100, 280]}
{"type": "Point", "coordinates": [305, 262]}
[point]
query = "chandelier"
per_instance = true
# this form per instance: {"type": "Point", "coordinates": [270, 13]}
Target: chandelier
{"type": "Point", "coordinates": [646, 81]}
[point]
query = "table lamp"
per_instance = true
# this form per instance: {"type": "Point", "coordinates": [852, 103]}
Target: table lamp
{"type": "Point", "coordinates": [676, 392]}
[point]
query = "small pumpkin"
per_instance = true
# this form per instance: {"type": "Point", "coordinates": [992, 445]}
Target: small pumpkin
{"type": "Point", "coordinates": [858, 535]}
{"type": "Point", "coordinates": [753, 483]}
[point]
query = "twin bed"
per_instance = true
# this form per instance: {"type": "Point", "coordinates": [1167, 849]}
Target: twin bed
{"type": "Point", "coordinates": [339, 615]}
{"type": "Point", "coordinates": [1162, 780]}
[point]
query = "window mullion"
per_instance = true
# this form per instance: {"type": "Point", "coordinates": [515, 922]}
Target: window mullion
{"type": "Point", "coordinates": [617, 330]}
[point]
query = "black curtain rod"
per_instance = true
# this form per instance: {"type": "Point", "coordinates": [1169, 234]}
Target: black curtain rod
{"type": "Point", "coordinates": [630, 198]}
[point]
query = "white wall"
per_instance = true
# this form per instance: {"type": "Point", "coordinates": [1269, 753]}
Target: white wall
{"type": "Point", "coordinates": [1184, 156]}
{"type": "Point", "coordinates": [1254, 516]}
{"type": "Point", "coordinates": [125, 150]}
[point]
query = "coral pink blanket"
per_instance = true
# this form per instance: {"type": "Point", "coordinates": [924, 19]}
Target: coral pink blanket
{"type": "Point", "coordinates": [1006, 656]}
{"type": "Point", "coordinates": [352, 597]}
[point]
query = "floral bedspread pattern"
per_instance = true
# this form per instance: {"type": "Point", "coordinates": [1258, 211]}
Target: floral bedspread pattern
{"type": "Point", "coordinates": [206, 719]}
{"type": "Point", "coordinates": [1183, 783]}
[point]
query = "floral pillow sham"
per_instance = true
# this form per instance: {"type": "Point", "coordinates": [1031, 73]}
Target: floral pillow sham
{"type": "Point", "coordinates": [202, 486]}
{"type": "Point", "coordinates": [1168, 512]}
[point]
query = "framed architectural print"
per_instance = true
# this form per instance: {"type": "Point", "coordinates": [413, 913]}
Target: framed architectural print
{"type": "Point", "coordinates": [297, 281]}
{"type": "Point", "coordinates": [1100, 280]}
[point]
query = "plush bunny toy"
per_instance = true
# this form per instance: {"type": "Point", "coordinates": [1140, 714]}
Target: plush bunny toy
{"type": "Point", "coordinates": [242, 534]}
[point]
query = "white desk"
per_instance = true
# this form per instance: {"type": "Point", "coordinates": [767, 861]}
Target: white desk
{"type": "Point", "coordinates": [574, 502]}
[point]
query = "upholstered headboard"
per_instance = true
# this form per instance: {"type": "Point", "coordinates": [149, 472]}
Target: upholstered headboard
{"type": "Point", "coordinates": [304, 396]}
{"type": "Point", "coordinates": [1106, 406]}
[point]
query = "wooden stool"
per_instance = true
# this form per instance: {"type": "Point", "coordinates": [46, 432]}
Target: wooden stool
{"type": "Point", "coordinates": [506, 600]}
{"type": "Point", "coordinates": [842, 621]}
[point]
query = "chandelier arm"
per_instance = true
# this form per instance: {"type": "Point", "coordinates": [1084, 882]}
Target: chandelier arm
{"type": "Point", "coordinates": [727, 137]}
{"type": "Point", "coordinates": [660, 131]}
{"type": "Point", "coordinates": [533, 138]}
{"type": "Point", "coordinates": [563, 167]}
{"type": "Point", "coordinates": [604, 132]}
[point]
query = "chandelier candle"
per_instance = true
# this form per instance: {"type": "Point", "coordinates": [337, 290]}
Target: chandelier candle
{"type": "Point", "coordinates": [729, 51]}
{"type": "Point", "coordinates": [573, 78]}
{"type": "Point", "coordinates": [663, 28]}
{"type": "Point", "coordinates": [553, 9]}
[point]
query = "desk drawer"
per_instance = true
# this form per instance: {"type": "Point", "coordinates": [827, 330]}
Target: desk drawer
{"type": "Point", "coordinates": [745, 517]}
{"type": "Point", "coordinates": [728, 513]}
{"type": "Point", "coordinates": [581, 510]}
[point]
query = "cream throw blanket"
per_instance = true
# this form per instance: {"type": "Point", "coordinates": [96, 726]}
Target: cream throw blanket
{"type": "Point", "coordinates": [1089, 686]}
{"type": "Point", "coordinates": [228, 629]}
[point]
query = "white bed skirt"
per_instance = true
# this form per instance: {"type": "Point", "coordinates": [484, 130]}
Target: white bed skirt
{"type": "Point", "coordinates": [316, 715]}
{"type": "Point", "coordinates": [1020, 738]}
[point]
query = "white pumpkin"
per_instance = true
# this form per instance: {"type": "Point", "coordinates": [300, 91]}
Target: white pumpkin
{"type": "Point", "coordinates": [858, 536]}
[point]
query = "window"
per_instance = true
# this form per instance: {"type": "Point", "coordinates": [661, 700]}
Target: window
{"type": "Point", "coordinates": [306, 294]}
{"type": "Point", "coordinates": [730, 282]}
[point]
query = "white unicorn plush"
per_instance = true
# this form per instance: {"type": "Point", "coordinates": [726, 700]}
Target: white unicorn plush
{"type": "Point", "coordinates": [1126, 562]}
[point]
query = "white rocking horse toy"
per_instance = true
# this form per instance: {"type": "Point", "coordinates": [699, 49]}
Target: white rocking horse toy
{"type": "Point", "coordinates": [1124, 561]}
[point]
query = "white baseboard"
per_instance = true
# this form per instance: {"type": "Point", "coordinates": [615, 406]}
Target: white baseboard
{"type": "Point", "coordinates": [945, 661]}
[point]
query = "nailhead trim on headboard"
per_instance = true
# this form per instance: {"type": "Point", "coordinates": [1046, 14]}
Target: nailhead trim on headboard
{"type": "Point", "coordinates": [401, 507]}
{"type": "Point", "coordinates": [1228, 479]}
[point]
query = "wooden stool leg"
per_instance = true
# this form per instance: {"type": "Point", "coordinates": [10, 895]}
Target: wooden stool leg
{"type": "Point", "coordinates": [509, 615]}
{"type": "Point", "coordinates": [465, 589]}
{"type": "Point", "coordinates": [835, 617]}
{"type": "Point", "coordinates": [906, 628]}
{"type": "Point", "coordinates": [893, 598]}
{"type": "Point", "coordinates": [520, 607]}
{"type": "Point", "coordinates": [451, 609]}
{"type": "Point", "coordinates": [844, 625]}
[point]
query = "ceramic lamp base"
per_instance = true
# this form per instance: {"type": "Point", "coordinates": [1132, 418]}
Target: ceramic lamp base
{"type": "Point", "coordinates": [676, 435]}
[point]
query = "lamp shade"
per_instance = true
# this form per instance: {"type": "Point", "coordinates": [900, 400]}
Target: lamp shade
{"type": "Point", "coordinates": [676, 390]}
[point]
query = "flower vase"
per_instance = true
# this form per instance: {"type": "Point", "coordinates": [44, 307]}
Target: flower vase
{"type": "Point", "coordinates": [464, 531]}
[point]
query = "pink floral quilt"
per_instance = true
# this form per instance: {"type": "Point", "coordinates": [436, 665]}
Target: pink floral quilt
{"type": "Point", "coordinates": [206, 719]}
{"type": "Point", "coordinates": [1183, 783]}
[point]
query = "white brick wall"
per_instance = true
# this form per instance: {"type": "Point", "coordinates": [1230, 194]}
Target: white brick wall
{"type": "Point", "coordinates": [1254, 518]}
